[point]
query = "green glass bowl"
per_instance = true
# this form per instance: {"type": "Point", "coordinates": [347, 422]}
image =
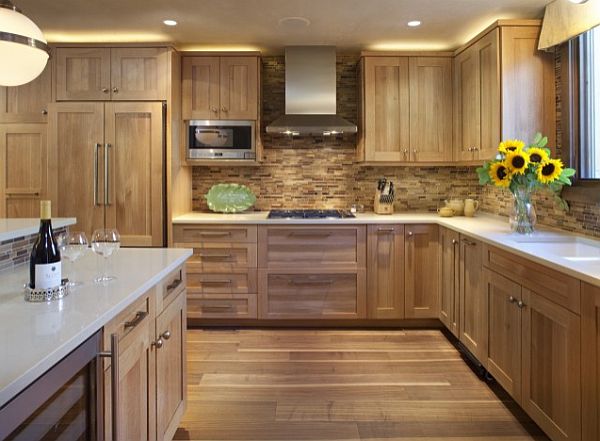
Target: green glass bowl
{"type": "Point", "coordinates": [229, 198]}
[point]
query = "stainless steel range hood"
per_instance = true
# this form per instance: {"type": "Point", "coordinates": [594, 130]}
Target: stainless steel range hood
{"type": "Point", "coordinates": [310, 94]}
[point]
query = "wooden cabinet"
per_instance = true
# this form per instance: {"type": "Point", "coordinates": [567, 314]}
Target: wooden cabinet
{"type": "Point", "coordinates": [406, 109]}
{"type": "Point", "coordinates": [107, 161]}
{"type": "Point", "coordinates": [385, 271]}
{"type": "Point", "coordinates": [220, 87]}
{"type": "Point", "coordinates": [170, 368]}
{"type": "Point", "coordinates": [27, 103]}
{"type": "Point", "coordinates": [590, 362]}
{"type": "Point", "coordinates": [101, 74]}
{"type": "Point", "coordinates": [490, 100]}
{"type": "Point", "coordinates": [473, 300]}
{"type": "Point", "coordinates": [421, 271]}
{"type": "Point", "coordinates": [430, 109]}
{"type": "Point", "coordinates": [151, 364]}
{"type": "Point", "coordinates": [24, 170]}
{"type": "Point", "coordinates": [450, 280]}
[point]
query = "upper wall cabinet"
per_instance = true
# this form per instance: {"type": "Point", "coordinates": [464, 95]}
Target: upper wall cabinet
{"type": "Point", "coordinates": [102, 74]}
{"type": "Point", "coordinates": [406, 109]}
{"type": "Point", "coordinates": [220, 87]}
{"type": "Point", "coordinates": [27, 103]}
{"type": "Point", "coordinates": [503, 88]}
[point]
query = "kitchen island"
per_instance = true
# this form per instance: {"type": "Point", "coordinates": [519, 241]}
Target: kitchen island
{"type": "Point", "coordinates": [36, 336]}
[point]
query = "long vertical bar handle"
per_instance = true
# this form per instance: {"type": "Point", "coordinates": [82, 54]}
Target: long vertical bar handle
{"type": "Point", "coordinates": [114, 382]}
{"type": "Point", "coordinates": [106, 174]}
{"type": "Point", "coordinates": [96, 149]}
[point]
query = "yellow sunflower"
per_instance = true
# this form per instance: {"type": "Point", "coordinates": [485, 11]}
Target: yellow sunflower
{"type": "Point", "coordinates": [537, 155]}
{"type": "Point", "coordinates": [500, 174]}
{"type": "Point", "coordinates": [511, 145]}
{"type": "Point", "coordinates": [549, 171]}
{"type": "Point", "coordinates": [517, 162]}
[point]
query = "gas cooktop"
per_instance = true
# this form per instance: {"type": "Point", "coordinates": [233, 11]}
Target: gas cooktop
{"type": "Point", "coordinates": [310, 214]}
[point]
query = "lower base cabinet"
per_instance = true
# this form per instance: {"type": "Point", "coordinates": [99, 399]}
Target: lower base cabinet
{"type": "Point", "coordinates": [449, 280]}
{"type": "Point", "coordinates": [421, 271]}
{"type": "Point", "coordinates": [590, 362]}
{"type": "Point", "coordinates": [151, 366]}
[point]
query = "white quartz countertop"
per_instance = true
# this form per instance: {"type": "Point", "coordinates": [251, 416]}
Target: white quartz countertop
{"type": "Point", "coordinates": [11, 228]}
{"type": "Point", "coordinates": [35, 336]}
{"type": "Point", "coordinates": [575, 255]}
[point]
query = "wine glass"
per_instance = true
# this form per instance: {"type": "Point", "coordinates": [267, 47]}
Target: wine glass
{"type": "Point", "coordinates": [72, 246]}
{"type": "Point", "coordinates": [105, 242]}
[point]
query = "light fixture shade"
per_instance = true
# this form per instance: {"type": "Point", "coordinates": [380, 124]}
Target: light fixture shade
{"type": "Point", "coordinates": [23, 49]}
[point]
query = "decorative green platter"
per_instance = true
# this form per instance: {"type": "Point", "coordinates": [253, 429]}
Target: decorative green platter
{"type": "Point", "coordinates": [229, 198]}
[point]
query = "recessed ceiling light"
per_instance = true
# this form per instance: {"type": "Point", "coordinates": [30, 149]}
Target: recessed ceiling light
{"type": "Point", "coordinates": [170, 22]}
{"type": "Point", "coordinates": [414, 23]}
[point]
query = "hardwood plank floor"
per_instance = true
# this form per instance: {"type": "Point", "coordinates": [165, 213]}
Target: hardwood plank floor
{"type": "Point", "coordinates": [341, 385]}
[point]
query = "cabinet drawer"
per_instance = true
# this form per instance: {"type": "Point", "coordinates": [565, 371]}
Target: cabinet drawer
{"type": "Point", "coordinates": [312, 295]}
{"type": "Point", "coordinates": [169, 288]}
{"type": "Point", "coordinates": [239, 282]}
{"type": "Point", "coordinates": [186, 234]}
{"type": "Point", "coordinates": [558, 287]}
{"type": "Point", "coordinates": [222, 306]}
{"type": "Point", "coordinates": [226, 257]}
{"type": "Point", "coordinates": [302, 246]}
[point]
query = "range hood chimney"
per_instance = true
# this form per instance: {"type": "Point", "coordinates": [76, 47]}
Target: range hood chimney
{"type": "Point", "coordinates": [310, 94]}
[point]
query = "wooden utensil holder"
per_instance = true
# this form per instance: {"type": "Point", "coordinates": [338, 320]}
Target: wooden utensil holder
{"type": "Point", "coordinates": [382, 207]}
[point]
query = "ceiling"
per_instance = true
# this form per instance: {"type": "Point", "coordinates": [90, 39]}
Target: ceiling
{"type": "Point", "coordinates": [351, 25]}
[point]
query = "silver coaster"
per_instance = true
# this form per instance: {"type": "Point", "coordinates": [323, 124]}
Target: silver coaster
{"type": "Point", "coordinates": [47, 295]}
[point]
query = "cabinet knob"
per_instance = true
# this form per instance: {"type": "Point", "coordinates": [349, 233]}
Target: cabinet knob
{"type": "Point", "coordinates": [115, 90]}
{"type": "Point", "coordinates": [158, 343]}
{"type": "Point", "coordinates": [511, 299]}
{"type": "Point", "coordinates": [214, 109]}
{"type": "Point", "coordinates": [475, 149]}
{"type": "Point", "coordinates": [454, 242]}
{"type": "Point", "coordinates": [105, 90]}
{"type": "Point", "coordinates": [166, 335]}
{"type": "Point", "coordinates": [44, 112]}
{"type": "Point", "coordinates": [410, 233]}
{"type": "Point", "coordinates": [224, 109]}
{"type": "Point", "coordinates": [520, 304]}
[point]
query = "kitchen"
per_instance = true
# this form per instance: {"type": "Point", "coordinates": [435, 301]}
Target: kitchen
{"type": "Point", "coordinates": [359, 227]}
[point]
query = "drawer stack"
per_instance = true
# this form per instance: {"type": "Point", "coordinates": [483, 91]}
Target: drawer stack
{"type": "Point", "coordinates": [312, 272]}
{"type": "Point", "coordinates": [221, 274]}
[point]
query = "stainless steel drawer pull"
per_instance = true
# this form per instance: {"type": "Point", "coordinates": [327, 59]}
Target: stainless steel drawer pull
{"type": "Point", "coordinates": [106, 174]}
{"type": "Point", "coordinates": [216, 282]}
{"type": "Point", "coordinates": [139, 316]}
{"type": "Point", "coordinates": [385, 230]}
{"type": "Point", "coordinates": [96, 184]}
{"type": "Point", "coordinates": [468, 242]}
{"type": "Point", "coordinates": [216, 256]}
{"type": "Point", "coordinates": [215, 233]}
{"type": "Point", "coordinates": [311, 282]}
{"type": "Point", "coordinates": [309, 234]}
{"type": "Point", "coordinates": [173, 285]}
{"type": "Point", "coordinates": [113, 354]}
{"type": "Point", "coordinates": [207, 308]}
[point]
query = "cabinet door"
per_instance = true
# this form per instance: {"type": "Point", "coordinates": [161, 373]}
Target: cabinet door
{"type": "Point", "coordinates": [75, 137]}
{"type": "Point", "coordinates": [488, 56]}
{"type": "Point", "coordinates": [531, 109]}
{"type": "Point", "coordinates": [431, 109]}
{"type": "Point", "coordinates": [239, 87]}
{"type": "Point", "coordinates": [136, 410]}
{"type": "Point", "coordinates": [551, 367]}
{"type": "Point", "coordinates": [139, 74]}
{"type": "Point", "coordinates": [170, 368]}
{"type": "Point", "coordinates": [449, 277]}
{"type": "Point", "coordinates": [200, 88]}
{"type": "Point", "coordinates": [467, 104]}
{"type": "Point", "coordinates": [385, 271]}
{"type": "Point", "coordinates": [134, 167]}
{"type": "Point", "coordinates": [27, 103]}
{"type": "Point", "coordinates": [590, 362]}
{"type": "Point", "coordinates": [504, 340]}
{"type": "Point", "coordinates": [82, 74]}
{"type": "Point", "coordinates": [473, 299]}
{"type": "Point", "coordinates": [24, 170]}
{"type": "Point", "coordinates": [421, 271]}
{"type": "Point", "coordinates": [386, 104]}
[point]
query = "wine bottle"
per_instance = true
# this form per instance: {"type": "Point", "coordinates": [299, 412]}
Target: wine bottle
{"type": "Point", "coordinates": [44, 265]}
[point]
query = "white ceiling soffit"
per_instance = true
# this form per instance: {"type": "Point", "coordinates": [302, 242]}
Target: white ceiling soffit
{"type": "Point", "coordinates": [255, 24]}
{"type": "Point", "coordinates": [564, 20]}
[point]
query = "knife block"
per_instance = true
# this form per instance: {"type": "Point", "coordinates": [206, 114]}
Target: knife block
{"type": "Point", "coordinates": [383, 207]}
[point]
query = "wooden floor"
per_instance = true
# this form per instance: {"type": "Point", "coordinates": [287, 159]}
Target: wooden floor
{"type": "Point", "coordinates": [340, 385]}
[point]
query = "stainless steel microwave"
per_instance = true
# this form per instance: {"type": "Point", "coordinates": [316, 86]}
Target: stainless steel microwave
{"type": "Point", "coordinates": [212, 139]}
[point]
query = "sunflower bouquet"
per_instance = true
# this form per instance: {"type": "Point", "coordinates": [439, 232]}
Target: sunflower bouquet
{"type": "Point", "coordinates": [523, 169]}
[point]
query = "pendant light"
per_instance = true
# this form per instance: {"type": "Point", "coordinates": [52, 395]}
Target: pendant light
{"type": "Point", "coordinates": [23, 49]}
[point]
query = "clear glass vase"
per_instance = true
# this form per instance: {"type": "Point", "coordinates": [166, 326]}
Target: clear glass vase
{"type": "Point", "coordinates": [522, 217]}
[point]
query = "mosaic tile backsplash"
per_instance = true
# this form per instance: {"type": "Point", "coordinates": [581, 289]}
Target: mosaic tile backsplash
{"type": "Point", "coordinates": [15, 252]}
{"type": "Point", "coordinates": [321, 172]}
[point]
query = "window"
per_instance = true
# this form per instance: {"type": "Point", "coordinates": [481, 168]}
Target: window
{"type": "Point", "coordinates": [589, 105]}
